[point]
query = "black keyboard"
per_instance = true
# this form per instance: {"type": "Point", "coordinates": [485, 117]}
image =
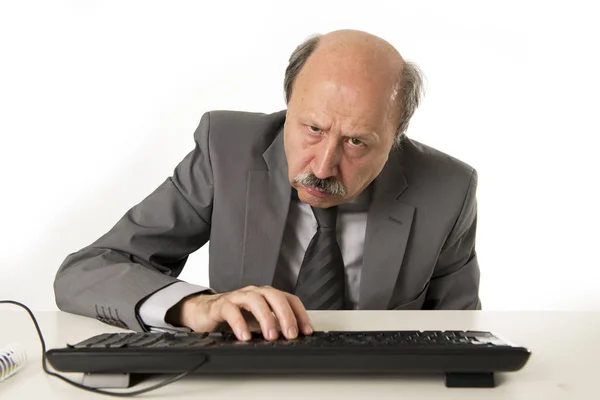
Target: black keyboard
{"type": "Point", "coordinates": [469, 355]}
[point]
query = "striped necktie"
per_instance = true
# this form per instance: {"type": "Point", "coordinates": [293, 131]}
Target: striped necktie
{"type": "Point", "coordinates": [321, 281]}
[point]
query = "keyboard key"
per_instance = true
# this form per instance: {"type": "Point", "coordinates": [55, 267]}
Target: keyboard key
{"type": "Point", "coordinates": [376, 339]}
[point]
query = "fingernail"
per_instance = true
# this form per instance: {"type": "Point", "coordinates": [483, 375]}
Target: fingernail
{"type": "Point", "coordinates": [273, 334]}
{"type": "Point", "coordinates": [292, 332]}
{"type": "Point", "coordinates": [245, 335]}
{"type": "Point", "coordinates": [308, 329]}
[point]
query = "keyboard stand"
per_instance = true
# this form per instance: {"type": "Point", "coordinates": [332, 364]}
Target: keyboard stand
{"type": "Point", "coordinates": [453, 380]}
{"type": "Point", "coordinates": [465, 380]}
{"type": "Point", "coordinates": [109, 381]}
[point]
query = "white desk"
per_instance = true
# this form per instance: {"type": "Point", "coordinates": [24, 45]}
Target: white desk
{"type": "Point", "coordinates": [564, 363]}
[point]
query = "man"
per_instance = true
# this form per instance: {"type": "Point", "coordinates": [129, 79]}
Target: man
{"type": "Point", "coordinates": [326, 205]}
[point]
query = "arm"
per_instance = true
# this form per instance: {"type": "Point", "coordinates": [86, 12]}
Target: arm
{"type": "Point", "coordinates": [161, 311]}
{"type": "Point", "coordinates": [147, 249]}
{"type": "Point", "coordinates": [455, 281]}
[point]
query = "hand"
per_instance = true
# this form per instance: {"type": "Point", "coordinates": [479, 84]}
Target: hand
{"type": "Point", "coordinates": [269, 309]}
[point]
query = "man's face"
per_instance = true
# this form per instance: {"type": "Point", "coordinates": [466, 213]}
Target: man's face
{"type": "Point", "coordinates": [338, 134]}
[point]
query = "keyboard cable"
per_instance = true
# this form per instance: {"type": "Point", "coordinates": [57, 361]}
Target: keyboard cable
{"type": "Point", "coordinates": [91, 389]}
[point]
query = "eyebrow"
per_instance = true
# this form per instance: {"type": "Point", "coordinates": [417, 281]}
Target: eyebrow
{"type": "Point", "coordinates": [370, 136]}
{"type": "Point", "coordinates": [312, 116]}
{"type": "Point", "coordinates": [367, 135]}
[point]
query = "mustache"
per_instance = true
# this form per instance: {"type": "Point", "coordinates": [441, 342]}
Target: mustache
{"type": "Point", "coordinates": [328, 185]}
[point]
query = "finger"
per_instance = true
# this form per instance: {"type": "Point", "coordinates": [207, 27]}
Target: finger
{"type": "Point", "coordinates": [304, 322]}
{"type": "Point", "coordinates": [232, 314]}
{"type": "Point", "coordinates": [253, 324]}
{"type": "Point", "coordinates": [255, 303]}
{"type": "Point", "coordinates": [282, 310]}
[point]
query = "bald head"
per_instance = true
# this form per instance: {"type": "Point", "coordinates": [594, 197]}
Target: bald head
{"type": "Point", "coordinates": [360, 52]}
{"type": "Point", "coordinates": [362, 65]}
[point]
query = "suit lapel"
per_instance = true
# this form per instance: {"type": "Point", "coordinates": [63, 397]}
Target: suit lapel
{"type": "Point", "coordinates": [267, 206]}
{"type": "Point", "coordinates": [388, 228]}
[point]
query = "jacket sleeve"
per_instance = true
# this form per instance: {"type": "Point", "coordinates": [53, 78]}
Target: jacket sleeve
{"type": "Point", "coordinates": [455, 281]}
{"type": "Point", "coordinates": [147, 248]}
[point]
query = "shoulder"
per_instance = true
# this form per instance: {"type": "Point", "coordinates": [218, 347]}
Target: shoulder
{"type": "Point", "coordinates": [432, 172]}
{"type": "Point", "coordinates": [419, 158]}
{"type": "Point", "coordinates": [237, 139]}
{"type": "Point", "coordinates": [236, 118]}
{"type": "Point", "coordinates": [243, 127]}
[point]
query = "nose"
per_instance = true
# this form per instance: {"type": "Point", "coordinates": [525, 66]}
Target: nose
{"type": "Point", "coordinates": [326, 160]}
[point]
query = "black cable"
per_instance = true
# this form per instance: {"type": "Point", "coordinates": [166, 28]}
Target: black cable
{"type": "Point", "coordinates": [90, 389]}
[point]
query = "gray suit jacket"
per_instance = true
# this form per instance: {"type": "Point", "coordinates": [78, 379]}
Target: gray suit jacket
{"type": "Point", "coordinates": [232, 190]}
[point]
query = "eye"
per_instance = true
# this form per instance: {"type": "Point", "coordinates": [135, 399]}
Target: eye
{"type": "Point", "coordinates": [313, 129]}
{"type": "Point", "coordinates": [355, 142]}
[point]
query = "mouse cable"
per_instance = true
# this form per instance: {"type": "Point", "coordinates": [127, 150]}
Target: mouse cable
{"type": "Point", "coordinates": [91, 389]}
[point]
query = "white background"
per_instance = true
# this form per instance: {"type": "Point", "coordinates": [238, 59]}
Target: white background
{"type": "Point", "coordinates": [99, 101]}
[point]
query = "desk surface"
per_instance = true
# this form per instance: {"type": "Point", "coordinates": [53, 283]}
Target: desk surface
{"type": "Point", "coordinates": [564, 362]}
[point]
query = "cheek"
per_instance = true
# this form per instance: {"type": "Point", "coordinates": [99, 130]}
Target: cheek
{"type": "Point", "coordinates": [353, 172]}
{"type": "Point", "coordinates": [298, 154]}
{"type": "Point", "coordinates": [356, 172]}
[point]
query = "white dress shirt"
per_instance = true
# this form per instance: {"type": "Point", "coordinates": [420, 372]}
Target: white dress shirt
{"type": "Point", "coordinates": [300, 227]}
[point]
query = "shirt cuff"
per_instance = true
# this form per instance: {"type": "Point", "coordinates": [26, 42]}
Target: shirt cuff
{"type": "Point", "coordinates": [154, 309]}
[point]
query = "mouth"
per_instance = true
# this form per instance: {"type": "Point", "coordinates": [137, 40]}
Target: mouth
{"type": "Point", "coordinates": [316, 192]}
